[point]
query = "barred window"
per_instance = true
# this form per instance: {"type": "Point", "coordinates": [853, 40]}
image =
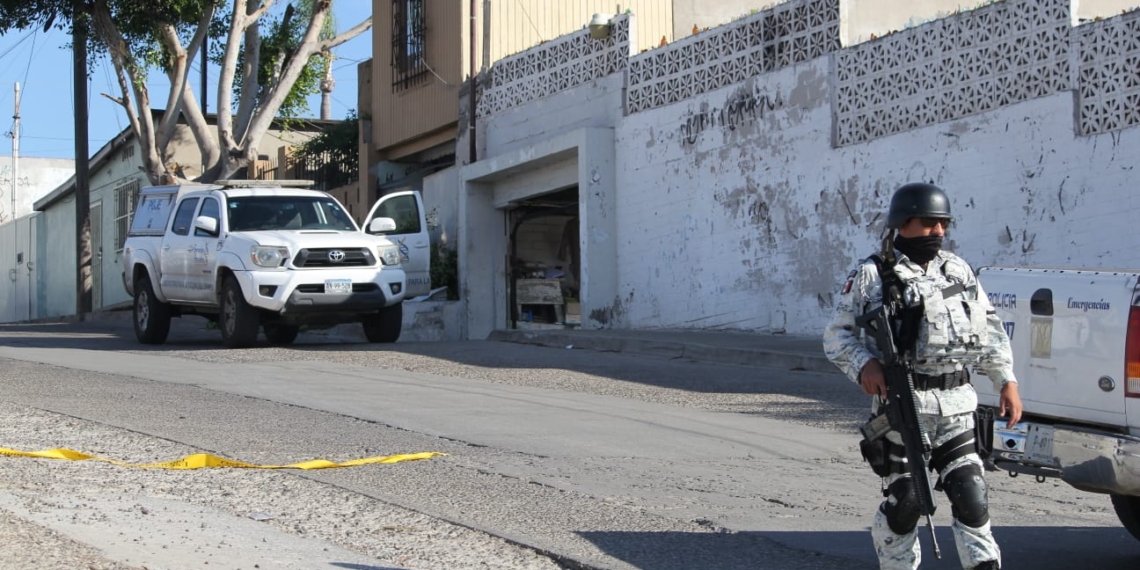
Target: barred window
{"type": "Point", "coordinates": [408, 42]}
{"type": "Point", "coordinates": [126, 196]}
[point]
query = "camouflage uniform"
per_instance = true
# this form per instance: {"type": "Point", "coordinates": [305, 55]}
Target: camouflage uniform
{"type": "Point", "coordinates": [944, 413]}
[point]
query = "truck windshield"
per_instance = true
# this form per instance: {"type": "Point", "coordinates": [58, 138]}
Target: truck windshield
{"type": "Point", "coordinates": [258, 213]}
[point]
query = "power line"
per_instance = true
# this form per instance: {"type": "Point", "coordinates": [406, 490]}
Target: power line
{"type": "Point", "coordinates": [527, 14]}
{"type": "Point", "coordinates": [17, 44]}
{"type": "Point", "coordinates": [31, 56]}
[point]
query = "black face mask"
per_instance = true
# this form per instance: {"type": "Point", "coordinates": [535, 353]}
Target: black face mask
{"type": "Point", "coordinates": [919, 249]}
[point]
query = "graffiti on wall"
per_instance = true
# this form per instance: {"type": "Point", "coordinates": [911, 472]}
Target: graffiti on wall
{"type": "Point", "coordinates": [6, 178]}
{"type": "Point", "coordinates": [740, 109]}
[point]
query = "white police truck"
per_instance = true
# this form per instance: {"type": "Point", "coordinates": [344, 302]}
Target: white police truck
{"type": "Point", "coordinates": [1076, 347]}
{"type": "Point", "coordinates": [271, 256]}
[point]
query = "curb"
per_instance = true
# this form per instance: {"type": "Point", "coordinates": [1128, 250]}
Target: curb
{"type": "Point", "coordinates": [670, 349]}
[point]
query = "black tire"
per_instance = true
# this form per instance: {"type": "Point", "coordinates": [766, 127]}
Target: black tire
{"type": "Point", "coordinates": [1128, 511]}
{"type": "Point", "coordinates": [281, 334]}
{"type": "Point", "coordinates": [384, 325]}
{"type": "Point", "coordinates": [151, 316]}
{"type": "Point", "coordinates": [238, 320]}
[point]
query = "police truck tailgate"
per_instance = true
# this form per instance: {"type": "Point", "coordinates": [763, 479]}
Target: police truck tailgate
{"type": "Point", "coordinates": [1070, 330]}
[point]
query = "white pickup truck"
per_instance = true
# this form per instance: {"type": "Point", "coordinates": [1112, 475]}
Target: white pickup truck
{"type": "Point", "coordinates": [1076, 348]}
{"type": "Point", "coordinates": [271, 256]}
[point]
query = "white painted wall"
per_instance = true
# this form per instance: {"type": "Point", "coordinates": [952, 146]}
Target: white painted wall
{"type": "Point", "coordinates": [36, 178]}
{"type": "Point", "coordinates": [755, 228]}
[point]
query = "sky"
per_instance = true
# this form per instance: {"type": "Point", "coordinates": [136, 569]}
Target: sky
{"type": "Point", "coordinates": [41, 63]}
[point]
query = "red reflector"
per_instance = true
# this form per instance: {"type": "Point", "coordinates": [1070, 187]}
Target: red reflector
{"type": "Point", "coordinates": [1132, 355]}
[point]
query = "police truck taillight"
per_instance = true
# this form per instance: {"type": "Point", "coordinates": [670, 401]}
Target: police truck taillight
{"type": "Point", "coordinates": [1132, 355]}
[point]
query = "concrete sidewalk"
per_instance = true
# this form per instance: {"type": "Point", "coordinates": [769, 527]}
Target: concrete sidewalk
{"type": "Point", "coordinates": [726, 347]}
{"type": "Point", "coordinates": [748, 349]}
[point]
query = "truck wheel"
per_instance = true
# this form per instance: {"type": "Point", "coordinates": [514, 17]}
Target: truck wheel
{"type": "Point", "coordinates": [151, 316]}
{"type": "Point", "coordinates": [281, 334]}
{"type": "Point", "coordinates": [384, 325]}
{"type": "Point", "coordinates": [1128, 511]}
{"type": "Point", "coordinates": [238, 320]}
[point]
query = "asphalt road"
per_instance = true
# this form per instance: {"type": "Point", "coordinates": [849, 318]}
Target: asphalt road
{"type": "Point", "coordinates": [555, 457]}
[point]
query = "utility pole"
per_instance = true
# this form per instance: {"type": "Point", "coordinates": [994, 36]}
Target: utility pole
{"type": "Point", "coordinates": [205, 62]}
{"type": "Point", "coordinates": [486, 35]}
{"type": "Point", "coordinates": [14, 273]}
{"type": "Point", "coordinates": [16, 151]}
{"type": "Point", "coordinates": [471, 94]}
{"type": "Point", "coordinates": [327, 86]}
{"type": "Point", "coordinates": [83, 276]}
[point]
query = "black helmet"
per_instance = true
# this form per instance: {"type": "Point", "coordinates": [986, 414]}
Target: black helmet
{"type": "Point", "coordinates": [917, 200]}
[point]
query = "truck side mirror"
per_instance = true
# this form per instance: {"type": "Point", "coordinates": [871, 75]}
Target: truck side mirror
{"type": "Point", "coordinates": [206, 224]}
{"type": "Point", "coordinates": [381, 225]}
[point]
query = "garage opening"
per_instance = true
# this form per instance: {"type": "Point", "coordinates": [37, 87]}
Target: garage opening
{"type": "Point", "coordinates": [544, 258]}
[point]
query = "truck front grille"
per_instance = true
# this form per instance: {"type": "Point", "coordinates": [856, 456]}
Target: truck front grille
{"type": "Point", "coordinates": [326, 257]}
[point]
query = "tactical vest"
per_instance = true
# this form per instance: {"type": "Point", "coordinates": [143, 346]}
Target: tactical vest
{"type": "Point", "coordinates": [954, 320]}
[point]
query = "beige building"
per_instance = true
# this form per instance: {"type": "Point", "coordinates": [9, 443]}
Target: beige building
{"type": "Point", "coordinates": [410, 90]}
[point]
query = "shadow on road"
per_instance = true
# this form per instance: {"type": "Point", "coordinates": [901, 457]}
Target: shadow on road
{"type": "Point", "coordinates": [190, 336]}
{"type": "Point", "coordinates": [1039, 548]}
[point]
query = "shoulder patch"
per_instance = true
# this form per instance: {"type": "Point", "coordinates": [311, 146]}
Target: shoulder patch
{"type": "Point", "coordinates": [850, 280]}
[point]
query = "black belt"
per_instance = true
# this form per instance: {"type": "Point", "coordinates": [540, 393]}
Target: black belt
{"type": "Point", "coordinates": [940, 381]}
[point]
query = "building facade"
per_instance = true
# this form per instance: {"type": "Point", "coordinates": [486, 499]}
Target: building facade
{"type": "Point", "coordinates": [731, 179]}
{"type": "Point", "coordinates": [422, 56]}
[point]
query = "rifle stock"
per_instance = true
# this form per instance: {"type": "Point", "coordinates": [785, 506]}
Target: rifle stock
{"type": "Point", "coordinates": [902, 411]}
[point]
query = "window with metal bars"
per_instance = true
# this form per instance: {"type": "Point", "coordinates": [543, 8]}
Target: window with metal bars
{"type": "Point", "coordinates": [409, 66]}
{"type": "Point", "coordinates": [126, 196]}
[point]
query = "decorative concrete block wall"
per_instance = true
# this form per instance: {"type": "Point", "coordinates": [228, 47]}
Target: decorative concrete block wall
{"type": "Point", "coordinates": [785, 35]}
{"type": "Point", "coordinates": [555, 66]}
{"type": "Point", "coordinates": [969, 63]}
{"type": "Point", "coordinates": [1109, 85]}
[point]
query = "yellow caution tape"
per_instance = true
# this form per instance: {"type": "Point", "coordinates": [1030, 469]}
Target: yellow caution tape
{"type": "Point", "coordinates": [205, 460]}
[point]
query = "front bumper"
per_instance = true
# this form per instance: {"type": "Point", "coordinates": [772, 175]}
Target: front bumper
{"type": "Point", "coordinates": [303, 292]}
{"type": "Point", "coordinates": [1089, 460]}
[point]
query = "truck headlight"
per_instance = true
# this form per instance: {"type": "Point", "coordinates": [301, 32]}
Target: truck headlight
{"type": "Point", "coordinates": [269, 255]}
{"type": "Point", "coordinates": [389, 254]}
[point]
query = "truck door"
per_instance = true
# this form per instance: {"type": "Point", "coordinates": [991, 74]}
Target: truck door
{"type": "Point", "coordinates": [411, 234]}
{"type": "Point", "coordinates": [203, 247]}
{"type": "Point", "coordinates": [177, 252]}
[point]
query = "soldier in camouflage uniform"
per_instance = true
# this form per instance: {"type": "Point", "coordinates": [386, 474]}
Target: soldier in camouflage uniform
{"type": "Point", "coordinates": [959, 330]}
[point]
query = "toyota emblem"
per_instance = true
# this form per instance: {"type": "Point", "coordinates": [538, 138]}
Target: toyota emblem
{"type": "Point", "coordinates": [336, 256]}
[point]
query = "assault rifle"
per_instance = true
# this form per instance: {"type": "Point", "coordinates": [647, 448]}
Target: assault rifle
{"type": "Point", "coordinates": [902, 404]}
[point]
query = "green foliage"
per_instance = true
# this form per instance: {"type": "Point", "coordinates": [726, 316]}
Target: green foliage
{"type": "Point", "coordinates": [445, 269]}
{"type": "Point", "coordinates": [340, 142]}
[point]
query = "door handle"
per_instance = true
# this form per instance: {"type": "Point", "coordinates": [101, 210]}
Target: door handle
{"type": "Point", "coordinates": [166, 247]}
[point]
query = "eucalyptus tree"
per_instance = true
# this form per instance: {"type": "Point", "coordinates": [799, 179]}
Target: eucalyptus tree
{"type": "Point", "coordinates": [258, 72]}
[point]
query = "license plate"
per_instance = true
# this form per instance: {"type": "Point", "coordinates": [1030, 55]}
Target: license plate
{"type": "Point", "coordinates": [1039, 446]}
{"type": "Point", "coordinates": [338, 285]}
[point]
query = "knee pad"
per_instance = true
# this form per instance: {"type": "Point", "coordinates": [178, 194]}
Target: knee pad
{"type": "Point", "coordinates": [966, 489]}
{"type": "Point", "coordinates": [903, 514]}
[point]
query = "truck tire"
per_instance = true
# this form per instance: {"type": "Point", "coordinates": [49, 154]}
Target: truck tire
{"type": "Point", "coordinates": [1128, 511]}
{"type": "Point", "coordinates": [384, 325]}
{"type": "Point", "coordinates": [151, 316]}
{"type": "Point", "coordinates": [238, 320]}
{"type": "Point", "coordinates": [281, 334]}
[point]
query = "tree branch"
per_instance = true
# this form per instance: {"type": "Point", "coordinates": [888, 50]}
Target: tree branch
{"type": "Point", "coordinates": [297, 61]}
{"type": "Point", "coordinates": [142, 123]}
{"type": "Point", "coordinates": [348, 35]}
